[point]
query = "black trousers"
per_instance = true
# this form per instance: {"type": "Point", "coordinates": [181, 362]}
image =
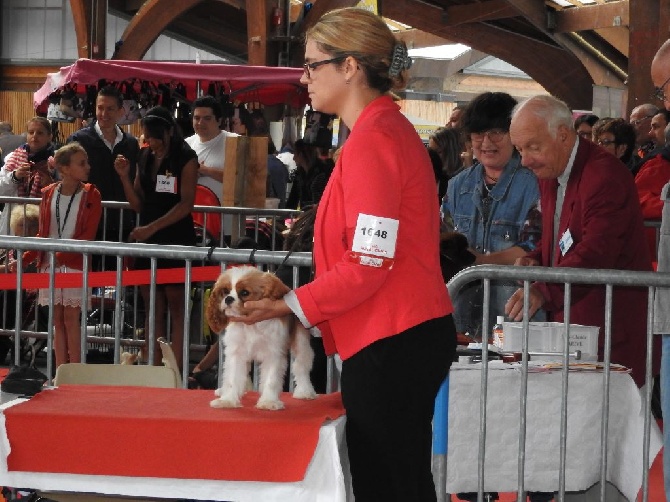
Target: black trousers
{"type": "Point", "coordinates": [388, 391]}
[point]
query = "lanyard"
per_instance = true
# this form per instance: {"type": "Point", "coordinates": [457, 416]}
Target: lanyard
{"type": "Point", "coordinates": [67, 211]}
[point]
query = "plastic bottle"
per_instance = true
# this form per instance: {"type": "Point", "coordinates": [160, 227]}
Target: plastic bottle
{"type": "Point", "coordinates": [498, 337]}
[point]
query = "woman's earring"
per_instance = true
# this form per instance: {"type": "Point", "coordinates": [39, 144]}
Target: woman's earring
{"type": "Point", "coordinates": [347, 81]}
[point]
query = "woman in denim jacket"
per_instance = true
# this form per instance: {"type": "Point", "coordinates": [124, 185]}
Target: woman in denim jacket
{"type": "Point", "coordinates": [494, 204]}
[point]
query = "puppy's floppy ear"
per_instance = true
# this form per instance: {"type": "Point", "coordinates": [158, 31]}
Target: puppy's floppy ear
{"type": "Point", "coordinates": [273, 287]}
{"type": "Point", "coordinates": [216, 318]}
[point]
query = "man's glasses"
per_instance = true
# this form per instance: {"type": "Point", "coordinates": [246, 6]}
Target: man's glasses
{"type": "Point", "coordinates": [584, 134]}
{"type": "Point", "coordinates": [495, 135]}
{"type": "Point", "coordinates": [637, 122]}
{"type": "Point", "coordinates": [605, 142]}
{"type": "Point", "coordinates": [659, 93]}
{"type": "Point", "coordinates": [308, 67]}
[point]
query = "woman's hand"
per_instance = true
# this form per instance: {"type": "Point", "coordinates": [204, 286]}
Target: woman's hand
{"type": "Point", "coordinates": [141, 234]}
{"type": "Point", "coordinates": [23, 171]}
{"type": "Point", "coordinates": [261, 310]}
{"type": "Point", "coordinates": [122, 166]}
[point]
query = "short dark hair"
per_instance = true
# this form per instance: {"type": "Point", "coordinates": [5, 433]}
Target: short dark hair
{"type": "Point", "coordinates": [587, 118]}
{"type": "Point", "coordinates": [623, 132]}
{"type": "Point", "coordinates": [109, 91]}
{"type": "Point", "coordinates": [490, 110]}
{"type": "Point", "coordinates": [665, 113]}
{"type": "Point", "coordinates": [209, 102]}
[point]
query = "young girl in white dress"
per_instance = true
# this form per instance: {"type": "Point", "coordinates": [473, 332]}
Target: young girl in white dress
{"type": "Point", "coordinates": [70, 209]}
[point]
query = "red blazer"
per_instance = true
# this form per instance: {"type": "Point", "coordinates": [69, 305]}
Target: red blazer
{"type": "Point", "coordinates": [602, 211]}
{"type": "Point", "coordinates": [650, 180]}
{"type": "Point", "coordinates": [383, 170]}
{"type": "Point", "coordinates": [86, 226]}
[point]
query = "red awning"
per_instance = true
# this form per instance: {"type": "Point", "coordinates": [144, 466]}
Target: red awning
{"type": "Point", "coordinates": [263, 84]}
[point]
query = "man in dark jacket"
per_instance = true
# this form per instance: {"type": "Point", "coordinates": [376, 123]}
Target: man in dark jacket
{"type": "Point", "coordinates": [103, 141]}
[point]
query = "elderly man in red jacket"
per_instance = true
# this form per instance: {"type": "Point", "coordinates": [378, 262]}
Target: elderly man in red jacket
{"type": "Point", "coordinates": [591, 219]}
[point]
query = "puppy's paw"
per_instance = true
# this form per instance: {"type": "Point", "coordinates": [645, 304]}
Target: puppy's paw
{"type": "Point", "coordinates": [225, 403]}
{"type": "Point", "coordinates": [268, 404]}
{"type": "Point", "coordinates": [304, 392]}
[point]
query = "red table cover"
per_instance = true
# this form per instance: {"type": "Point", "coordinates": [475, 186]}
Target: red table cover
{"type": "Point", "coordinates": [169, 433]}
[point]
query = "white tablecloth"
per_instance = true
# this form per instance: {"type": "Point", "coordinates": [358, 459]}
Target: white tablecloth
{"type": "Point", "coordinates": [625, 438]}
{"type": "Point", "coordinates": [327, 478]}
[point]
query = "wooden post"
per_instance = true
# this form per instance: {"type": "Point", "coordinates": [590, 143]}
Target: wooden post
{"type": "Point", "coordinates": [244, 176]}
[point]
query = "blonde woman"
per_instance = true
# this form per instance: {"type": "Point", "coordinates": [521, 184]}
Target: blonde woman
{"type": "Point", "coordinates": [378, 295]}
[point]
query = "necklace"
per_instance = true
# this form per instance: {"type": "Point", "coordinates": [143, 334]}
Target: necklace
{"type": "Point", "coordinates": [492, 178]}
{"type": "Point", "coordinates": [489, 186]}
{"type": "Point", "coordinates": [67, 211]}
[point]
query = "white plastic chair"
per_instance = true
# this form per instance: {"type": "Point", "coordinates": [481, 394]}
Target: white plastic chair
{"type": "Point", "coordinates": [116, 374]}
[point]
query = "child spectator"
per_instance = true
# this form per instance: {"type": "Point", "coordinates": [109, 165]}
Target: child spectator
{"type": "Point", "coordinates": [70, 209]}
{"type": "Point", "coordinates": [24, 222]}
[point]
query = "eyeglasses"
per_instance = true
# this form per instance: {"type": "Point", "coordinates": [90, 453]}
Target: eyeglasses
{"type": "Point", "coordinates": [605, 142]}
{"type": "Point", "coordinates": [308, 67]}
{"type": "Point", "coordinates": [659, 93]}
{"type": "Point", "coordinates": [584, 134]}
{"type": "Point", "coordinates": [637, 122]}
{"type": "Point", "coordinates": [495, 135]}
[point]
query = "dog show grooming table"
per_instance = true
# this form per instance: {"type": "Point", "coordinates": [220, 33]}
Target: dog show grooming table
{"type": "Point", "coordinates": [625, 430]}
{"type": "Point", "coordinates": [141, 441]}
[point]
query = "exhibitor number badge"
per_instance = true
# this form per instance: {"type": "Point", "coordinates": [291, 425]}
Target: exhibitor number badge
{"type": "Point", "coordinates": [375, 236]}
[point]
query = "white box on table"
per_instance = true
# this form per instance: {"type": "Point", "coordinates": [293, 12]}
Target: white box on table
{"type": "Point", "coordinates": [549, 337]}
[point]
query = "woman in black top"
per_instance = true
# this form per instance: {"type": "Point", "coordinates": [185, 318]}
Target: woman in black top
{"type": "Point", "coordinates": [311, 176]}
{"type": "Point", "coordinates": [162, 193]}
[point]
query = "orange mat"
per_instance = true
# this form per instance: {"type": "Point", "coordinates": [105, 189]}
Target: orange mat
{"type": "Point", "coordinates": [167, 433]}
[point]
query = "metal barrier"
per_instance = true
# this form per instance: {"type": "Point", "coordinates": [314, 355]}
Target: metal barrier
{"type": "Point", "coordinates": [262, 225]}
{"type": "Point", "coordinates": [245, 220]}
{"type": "Point", "coordinates": [568, 277]}
{"type": "Point", "coordinates": [119, 251]}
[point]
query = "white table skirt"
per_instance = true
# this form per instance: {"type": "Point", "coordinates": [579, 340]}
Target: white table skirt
{"type": "Point", "coordinates": [625, 438]}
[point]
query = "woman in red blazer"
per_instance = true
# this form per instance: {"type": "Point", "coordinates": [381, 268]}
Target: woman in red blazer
{"type": "Point", "coordinates": [378, 296]}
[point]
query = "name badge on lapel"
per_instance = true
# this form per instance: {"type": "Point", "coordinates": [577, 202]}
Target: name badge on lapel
{"type": "Point", "coordinates": [566, 242]}
{"type": "Point", "coordinates": [166, 183]}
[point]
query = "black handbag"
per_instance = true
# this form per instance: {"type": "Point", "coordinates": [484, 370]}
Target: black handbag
{"type": "Point", "coordinates": [23, 380]}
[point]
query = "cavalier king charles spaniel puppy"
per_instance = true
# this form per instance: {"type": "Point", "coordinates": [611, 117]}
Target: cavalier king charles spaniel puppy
{"type": "Point", "coordinates": [266, 342]}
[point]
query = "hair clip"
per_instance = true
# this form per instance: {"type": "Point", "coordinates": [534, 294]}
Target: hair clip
{"type": "Point", "coordinates": [400, 60]}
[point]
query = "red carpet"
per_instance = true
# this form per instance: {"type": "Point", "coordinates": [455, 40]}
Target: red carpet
{"type": "Point", "coordinates": [171, 433]}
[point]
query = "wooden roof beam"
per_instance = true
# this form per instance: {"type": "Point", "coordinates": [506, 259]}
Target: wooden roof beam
{"type": "Point", "coordinates": [592, 17]}
{"type": "Point", "coordinates": [147, 25]}
{"type": "Point", "coordinates": [417, 39]}
{"type": "Point", "coordinates": [478, 12]}
{"type": "Point", "coordinates": [258, 26]}
{"type": "Point", "coordinates": [81, 14]}
{"type": "Point", "coordinates": [565, 78]}
{"type": "Point", "coordinates": [319, 9]}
